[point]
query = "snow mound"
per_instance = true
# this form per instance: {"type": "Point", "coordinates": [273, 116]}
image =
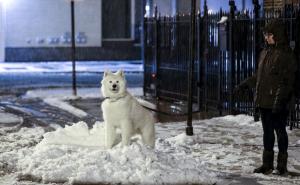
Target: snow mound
{"type": "Point", "coordinates": [77, 134]}
{"type": "Point", "coordinates": [15, 144]}
{"type": "Point", "coordinates": [240, 119]}
{"type": "Point", "coordinates": [76, 154]}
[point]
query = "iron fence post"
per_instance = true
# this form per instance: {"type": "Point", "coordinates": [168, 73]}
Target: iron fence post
{"type": "Point", "coordinates": [256, 45]}
{"type": "Point", "coordinates": [73, 54]}
{"type": "Point", "coordinates": [156, 28]}
{"type": "Point", "coordinates": [256, 30]}
{"type": "Point", "coordinates": [220, 101]}
{"type": "Point", "coordinates": [189, 128]}
{"type": "Point", "coordinates": [143, 41]}
{"type": "Point", "coordinates": [205, 56]}
{"type": "Point", "coordinates": [199, 50]}
{"type": "Point", "coordinates": [231, 55]}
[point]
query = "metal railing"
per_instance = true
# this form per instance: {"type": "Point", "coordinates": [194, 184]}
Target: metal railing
{"type": "Point", "coordinates": [227, 48]}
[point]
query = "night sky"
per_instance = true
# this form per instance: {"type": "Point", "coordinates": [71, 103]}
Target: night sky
{"type": "Point", "coordinates": [215, 5]}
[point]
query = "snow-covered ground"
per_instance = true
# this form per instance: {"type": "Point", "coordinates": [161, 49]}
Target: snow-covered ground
{"type": "Point", "coordinates": [220, 147]}
{"type": "Point", "coordinates": [62, 67]}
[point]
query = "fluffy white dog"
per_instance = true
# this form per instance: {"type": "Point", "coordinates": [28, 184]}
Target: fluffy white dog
{"type": "Point", "coordinates": [121, 110]}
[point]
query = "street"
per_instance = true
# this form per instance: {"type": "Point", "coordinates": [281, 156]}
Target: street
{"type": "Point", "coordinates": [16, 79]}
{"type": "Point", "coordinates": [59, 74]}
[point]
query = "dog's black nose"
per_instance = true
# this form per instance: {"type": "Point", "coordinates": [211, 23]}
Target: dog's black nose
{"type": "Point", "coordinates": [114, 86]}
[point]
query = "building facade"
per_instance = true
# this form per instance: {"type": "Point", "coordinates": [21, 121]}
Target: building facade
{"type": "Point", "coordinates": [35, 30]}
{"type": "Point", "coordinates": [277, 4]}
{"type": "Point", "coordinates": [171, 7]}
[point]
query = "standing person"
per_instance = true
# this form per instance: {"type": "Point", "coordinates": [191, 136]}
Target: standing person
{"type": "Point", "coordinates": [274, 83]}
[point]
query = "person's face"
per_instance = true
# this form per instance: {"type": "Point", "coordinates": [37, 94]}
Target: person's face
{"type": "Point", "coordinates": [269, 37]}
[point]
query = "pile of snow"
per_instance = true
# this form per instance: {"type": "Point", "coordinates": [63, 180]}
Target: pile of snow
{"type": "Point", "coordinates": [76, 154]}
{"type": "Point", "coordinates": [17, 144]}
{"type": "Point", "coordinates": [77, 134]}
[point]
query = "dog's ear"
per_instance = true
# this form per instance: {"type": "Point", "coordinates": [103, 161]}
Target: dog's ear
{"type": "Point", "coordinates": [106, 72]}
{"type": "Point", "coordinates": [120, 73]}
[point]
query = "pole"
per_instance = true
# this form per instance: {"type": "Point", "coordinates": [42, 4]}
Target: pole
{"type": "Point", "coordinates": [73, 54]}
{"type": "Point", "coordinates": [189, 128]}
{"type": "Point", "coordinates": [256, 31]}
{"type": "Point", "coordinates": [156, 61]}
{"type": "Point", "coordinates": [204, 62]}
{"type": "Point", "coordinates": [142, 40]}
{"type": "Point", "coordinates": [256, 45]}
{"type": "Point", "coordinates": [231, 54]}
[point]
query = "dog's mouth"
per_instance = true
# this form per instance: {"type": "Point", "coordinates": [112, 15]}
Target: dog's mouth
{"type": "Point", "coordinates": [115, 89]}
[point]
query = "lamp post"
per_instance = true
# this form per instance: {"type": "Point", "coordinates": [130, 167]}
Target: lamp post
{"type": "Point", "coordinates": [231, 54]}
{"type": "Point", "coordinates": [189, 128]}
{"type": "Point", "coordinates": [73, 52]}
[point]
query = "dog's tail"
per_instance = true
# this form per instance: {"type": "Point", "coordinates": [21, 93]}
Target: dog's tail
{"type": "Point", "coordinates": [145, 103]}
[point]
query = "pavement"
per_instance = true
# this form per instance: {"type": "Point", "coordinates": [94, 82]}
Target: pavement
{"type": "Point", "coordinates": [16, 80]}
{"type": "Point", "coordinates": [37, 113]}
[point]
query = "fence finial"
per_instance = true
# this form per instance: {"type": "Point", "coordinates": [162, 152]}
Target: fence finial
{"type": "Point", "coordinates": [155, 11]}
{"type": "Point", "coordinates": [256, 8]}
{"type": "Point", "coordinates": [205, 8]}
{"type": "Point", "coordinates": [232, 5]}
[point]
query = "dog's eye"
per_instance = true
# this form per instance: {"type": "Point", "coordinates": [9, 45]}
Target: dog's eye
{"type": "Point", "coordinates": [110, 81]}
{"type": "Point", "coordinates": [117, 81]}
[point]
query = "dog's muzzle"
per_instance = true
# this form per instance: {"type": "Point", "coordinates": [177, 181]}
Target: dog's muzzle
{"type": "Point", "coordinates": [115, 88]}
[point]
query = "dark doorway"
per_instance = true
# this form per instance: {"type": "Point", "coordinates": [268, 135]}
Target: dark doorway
{"type": "Point", "coordinates": [116, 17]}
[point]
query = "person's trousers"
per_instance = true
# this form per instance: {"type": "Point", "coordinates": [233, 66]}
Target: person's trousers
{"type": "Point", "coordinates": [274, 122]}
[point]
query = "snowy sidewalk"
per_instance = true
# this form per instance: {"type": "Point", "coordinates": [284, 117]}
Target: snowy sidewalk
{"type": "Point", "coordinates": [224, 150]}
{"type": "Point", "coordinates": [64, 67]}
{"type": "Point", "coordinates": [22, 76]}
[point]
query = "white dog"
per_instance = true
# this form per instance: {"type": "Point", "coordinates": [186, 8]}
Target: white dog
{"type": "Point", "coordinates": [121, 110]}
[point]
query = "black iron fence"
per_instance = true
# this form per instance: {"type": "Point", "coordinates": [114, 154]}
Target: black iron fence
{"type": "Point", "coordinates": [166, 56]}
{"type": "Point", "coordinates": [227, 47]}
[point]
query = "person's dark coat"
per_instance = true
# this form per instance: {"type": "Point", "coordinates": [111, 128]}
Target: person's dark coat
{"type": "Point", "coordinates": [274, 79]}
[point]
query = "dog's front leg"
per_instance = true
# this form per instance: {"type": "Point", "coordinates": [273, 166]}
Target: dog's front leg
{"type": "Point", "coordinates": [126, 131]}
{"type": "Point", "coordinates": [110, 135]}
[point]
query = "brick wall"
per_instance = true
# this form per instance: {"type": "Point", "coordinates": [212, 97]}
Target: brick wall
{"type": "Point", "coordinates": [269, 4]}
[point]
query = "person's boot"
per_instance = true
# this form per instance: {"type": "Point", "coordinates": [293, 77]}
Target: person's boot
{"type": "Point", "coordinates": [268, 163]}
{"type": "Point", "coordinates": [282, 163]}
